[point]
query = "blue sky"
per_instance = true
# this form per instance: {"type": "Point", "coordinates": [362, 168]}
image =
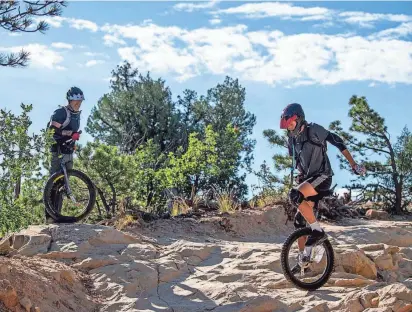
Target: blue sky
{"type": "Point", "coordinates": [315, 53]}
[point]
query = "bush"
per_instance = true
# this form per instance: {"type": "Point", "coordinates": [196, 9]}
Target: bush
{"type": "Point", "coordinates": [21, 172]}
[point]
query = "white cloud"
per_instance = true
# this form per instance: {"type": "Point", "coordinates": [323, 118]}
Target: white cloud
{"type": "Point", "coordinates": [111, 40]}
{"type": "Point", "coordinates": [327, 24]}
{"type": "Point", "coordinates": [41, 56]}
{"type": "Point", "coordinates": [293, 12]}
{"type": "Point", "coordinates": [314, 18]}
{"type": "Point", "coordinates": [95, 54]}
{"type": "Point", "coordinates": [91, 53]}
{"type": "Point", "coordinates": [365, 19]}
{"type": "Point", "coordinates": [272, 9]}
{"type": "Point", "coordinates": [57, 22]}
{"type": "Point", "coordinates": [93, 63]}
{"type": "Point", "coordinates": [190, 7]}
{"type": "Point", "coordinates": [215, 21]}
{"type": "Point", "coordinates": [83, 24]}
{"type": "Point", "coordinates": [285, 11]}
{"type": "Point", "coordinates": [159, 60]}
{"type": "Point", "coordinates": [402, 30]}
{"type": "Point", "coordinates": [265, 56]}
{"type": "Point", "coordinates": [147, 21]}
{"type": "Point", "coordinates": [128, 54]}
{"type": "Point", "coordinates": [62, 45]}
{"type": "Point", "coordinates": [53, 21]}
{"type": "Point", "coordinates": [148, 36]}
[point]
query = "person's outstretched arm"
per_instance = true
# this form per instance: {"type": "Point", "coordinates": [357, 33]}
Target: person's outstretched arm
{"type": "Point", "coordinates": [337, 141]}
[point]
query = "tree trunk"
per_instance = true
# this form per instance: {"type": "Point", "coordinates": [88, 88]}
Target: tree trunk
{"type": "Point", "coordinates": [98, 209]}
{"type": "Point", "coordinates": [149, 194]}
{"type": "Point", "coordinates": [397, 209]}
{"type": "Point", "coordinates": [17, 189]}
{"type": "Point", "coordinates": [194, 189]}
{"type": "Point", "coordinates": [114, 197]}
{"type": "Point", "coordinates": [398, 201]}
{"type": "Point", "coordinates": [106, 206]}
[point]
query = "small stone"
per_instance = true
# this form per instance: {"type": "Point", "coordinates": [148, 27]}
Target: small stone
{"type": "Point", "coordinates": [407, 308]}
{"type": "Point", "coordinates": [377, 214]}
{"type": "Point", "coordinates": [356, 282]}
{"type": "Point", "coordinates": [68, 276]}
{"type": "Point", "coordinates": [392, 250]}
{"type": "Point", "coordinates": [8, 294]}
{"type": "Point", "coordinates": [384, 262]}
{"type": "Point", "coordinates": [26, 303]}
{"type": "Point", "coordinates": [372, 247]}
{"type": "Point", "coordinates": [375, 302]}
{"type": "Point", "coordinates": [4, 269]}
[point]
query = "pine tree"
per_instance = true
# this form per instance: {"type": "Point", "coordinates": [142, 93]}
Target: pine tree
{"type": "Point", "coordinates": [16, 17]}
{"type": "Point", "coordinates": [388, 164]}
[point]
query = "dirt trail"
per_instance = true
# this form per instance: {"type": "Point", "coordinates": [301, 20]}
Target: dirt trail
{"type": "Point", "coordinates": [206, 264]}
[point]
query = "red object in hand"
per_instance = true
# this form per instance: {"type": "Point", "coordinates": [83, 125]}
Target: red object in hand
{"type": "Point", "coordinates": [76, 136]}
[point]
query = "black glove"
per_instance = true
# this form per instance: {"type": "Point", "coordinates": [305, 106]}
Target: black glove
{"type": "Point", "coordinates": [299, 179]}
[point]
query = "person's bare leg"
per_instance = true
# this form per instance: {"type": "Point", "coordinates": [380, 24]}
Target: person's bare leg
{"type": "Point", "coordinates": [302, 240]}
{"type": "Point", "coordinates": [305, 208]}
{"type": "Point", "coordinates": [307, 212]}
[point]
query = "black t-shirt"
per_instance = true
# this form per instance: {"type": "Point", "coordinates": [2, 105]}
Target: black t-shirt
{"type": "Point", "coordinates": [59, 115]}
{"type": "Point", "coordinates": [311, 159]}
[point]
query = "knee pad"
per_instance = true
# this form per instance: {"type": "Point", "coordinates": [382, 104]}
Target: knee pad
{"type": "Point", "coordinates": [299, 221]}
{"type": "Point", "coordinates": [296, 197]}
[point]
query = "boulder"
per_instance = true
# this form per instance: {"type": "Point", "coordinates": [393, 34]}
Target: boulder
{"type": "Point", "coordinates": [356, 262]}
{"type": "Point", "coordinates": [377, 214]}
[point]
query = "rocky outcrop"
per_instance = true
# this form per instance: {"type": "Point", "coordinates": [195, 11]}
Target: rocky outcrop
{"type": "Point", "coordinates": [34, 284]}
{"type": "Point", "coordinates": [356, 262]}
{"type": "Point", "coordinates": [396, 297]}
{"type": "Point", "coordinates": [377, 214]}
{"type": "Point", "coordinates": [193, 266]}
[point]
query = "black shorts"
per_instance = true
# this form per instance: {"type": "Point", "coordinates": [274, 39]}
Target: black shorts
{"type": "Point", "coordinates": [321, 184]}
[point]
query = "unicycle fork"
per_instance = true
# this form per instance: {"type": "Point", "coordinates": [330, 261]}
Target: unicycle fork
{"type": "Point", "coordinates": [69, 193]}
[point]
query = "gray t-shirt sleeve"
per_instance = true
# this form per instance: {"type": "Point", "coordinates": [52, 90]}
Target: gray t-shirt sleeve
{"type": "Point", "coordinates": [320, 132]}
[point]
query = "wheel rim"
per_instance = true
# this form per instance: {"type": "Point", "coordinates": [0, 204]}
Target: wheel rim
{"type": "Point", "coordinates": [309, 280]}
{"type": "Point", "coordinates": [80, 190]}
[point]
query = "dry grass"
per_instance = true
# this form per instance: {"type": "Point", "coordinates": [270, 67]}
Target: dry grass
{"type": "Point", "coordinates": [226, 201]}
{"type": "Point", "coordinates": [197, 202]}
{"type": "Point", "coordinates": [180, 206]}
{"type": "Point", "coordinates": [124, 221]}
{"type": "Point", "coordinates": [267, 199]}
{"type": "Point", "coordinates": [183, 206]}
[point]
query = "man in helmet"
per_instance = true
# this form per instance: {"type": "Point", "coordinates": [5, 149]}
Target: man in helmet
{"type": "Point", "coordinates": [307, 144]}
{"type": "Point", "coordinates": [65, 122]}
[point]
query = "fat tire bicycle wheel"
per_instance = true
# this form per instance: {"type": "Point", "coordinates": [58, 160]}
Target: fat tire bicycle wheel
{"type": "Point", "coordinates": [48, 200]}
{"type": "Point", "coordinates": [330, 259]}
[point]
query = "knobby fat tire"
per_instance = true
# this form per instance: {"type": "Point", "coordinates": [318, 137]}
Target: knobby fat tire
{"type": "Point", "coordinates": [284, 256]}
{"type": "Point", "coordinates": [48, 200]}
